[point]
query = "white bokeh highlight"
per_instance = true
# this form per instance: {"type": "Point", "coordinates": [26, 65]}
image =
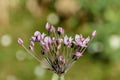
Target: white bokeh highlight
{"type": "Point", "coordinates": [21, 55]}
{"type": "Point", "coordinates": [114, 41]}
{"type": "Point", "coordinates": [96, 47]}
{"type": "Point", "coordinates": [53, 18]}
{"type": "Point", "coordinates": [6, 40]}
{"type": "Point", "coordinates": [39, 71]}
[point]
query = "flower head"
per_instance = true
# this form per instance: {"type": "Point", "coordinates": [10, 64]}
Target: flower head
{"type": "Point", "coordinates": [60, 52]}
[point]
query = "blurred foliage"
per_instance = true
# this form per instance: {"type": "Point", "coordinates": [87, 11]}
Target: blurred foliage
{"type": "Point", "coordinates": [20, 18]}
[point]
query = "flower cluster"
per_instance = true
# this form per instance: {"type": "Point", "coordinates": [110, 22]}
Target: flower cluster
{"type": "Point", "coordinates": [57, 50]}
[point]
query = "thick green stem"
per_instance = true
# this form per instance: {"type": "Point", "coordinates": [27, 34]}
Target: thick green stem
{"type": "Point", "coordinates": [62, 77]}
{"type": "Point", "coordinates": [56, 77]}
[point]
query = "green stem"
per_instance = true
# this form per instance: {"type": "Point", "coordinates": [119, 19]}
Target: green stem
{"type": "Point", "coordinates": [56, 77]}
{"type": "Point", "coordinates": [62, 77]}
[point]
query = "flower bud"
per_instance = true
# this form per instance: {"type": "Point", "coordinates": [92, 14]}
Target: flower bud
{"type": "Point", "coordinates": [38, 38]}
{"type": "Point", "coordinates": [94, 33]}
{"type": "Point", "coordinates": [52, 29]}
{"type": "Point", "coordinates": [48, 26]}
{"type": "Point", "coordinates": [32, 44]}
{"type": "Point", "coordinates": [31, 47]}
{"type": "Point", "coordinates": [20, 41]}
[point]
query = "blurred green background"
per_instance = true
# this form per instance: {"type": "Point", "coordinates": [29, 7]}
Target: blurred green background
{"type": "Point", "coordinates": [20, 18]}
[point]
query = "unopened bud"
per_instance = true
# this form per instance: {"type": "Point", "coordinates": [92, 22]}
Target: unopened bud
{"type": "Point", "coordinates": [32, 43]}
{"type": "Point", "coordinates": [94, 33]}
{"type": "Point", "coordinates": [52, 29]}
{"type": "Point", "coordinates": [38, 38]}
{"type": "Point", "coordinates": [48, 26]}
{"type": "Point", "coordinates": [20, 41]}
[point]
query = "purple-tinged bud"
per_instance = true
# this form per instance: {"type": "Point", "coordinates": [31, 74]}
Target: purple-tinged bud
{"type": "Point", "coordinates": [31, 47]}
{"type": "Point", "coordinates": [36, 33]}
{"type": "Point", "coordinates": [60, 30]}
{"type": "Point", "coordinates": [94, 33]}
{"type": "Point", "coordinates": [48, 26]}
{"type": "Point", "coordinates": [38, 38]}
{"type": "Point", "coordinates": [32, 44]}
{"type": "Point", "coordinates": [61, 58]}
{"type": "Point", "coordinates": [52, 29]}
{"type": "Point", "coordinates": [78, 54]}
{"type": "Point", "coordinates": [20, 41]}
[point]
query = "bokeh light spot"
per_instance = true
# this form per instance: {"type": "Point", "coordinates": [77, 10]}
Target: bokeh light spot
{"type": "Point", "coordinates": [39, 71]}
{"type": "Point", "coordinates": [6, 40]}
{"type": "Point", "coordinates": [114, 41]}
{"type": "Point", "coordinates": [20, 55]}
{"type": "Point", "coordinates": [53, 18]}
{"type": "Point", "coordinates": [11, 77]}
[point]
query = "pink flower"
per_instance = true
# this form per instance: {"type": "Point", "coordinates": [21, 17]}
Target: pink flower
{"type": "Point", "coordinates": [20, 41]}
{"type": "Point", "coordinates": [60, 30]}
{"type": "Point", "coordinates": [94, 33]}
{"type": "Point", "coordinates": [47, 40]}
{"type": "Point", "coordinates": [79, 39]}
{"type": "Point", "coordinates": [66, 40]}
{"type": "Point", "coordinates": [85, 42]}
{"type": "Point", "coordinates": [78, 54]}
{"type": "Point", "coordinates": [48, 26]}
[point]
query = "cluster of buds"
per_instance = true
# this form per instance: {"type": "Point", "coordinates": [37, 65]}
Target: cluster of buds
{"type": "Point", "coordinates": [57, 51]}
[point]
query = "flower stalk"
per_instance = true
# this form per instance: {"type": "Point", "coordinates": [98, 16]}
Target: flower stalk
{"type": "Point", "coordinates": [56, 77]}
